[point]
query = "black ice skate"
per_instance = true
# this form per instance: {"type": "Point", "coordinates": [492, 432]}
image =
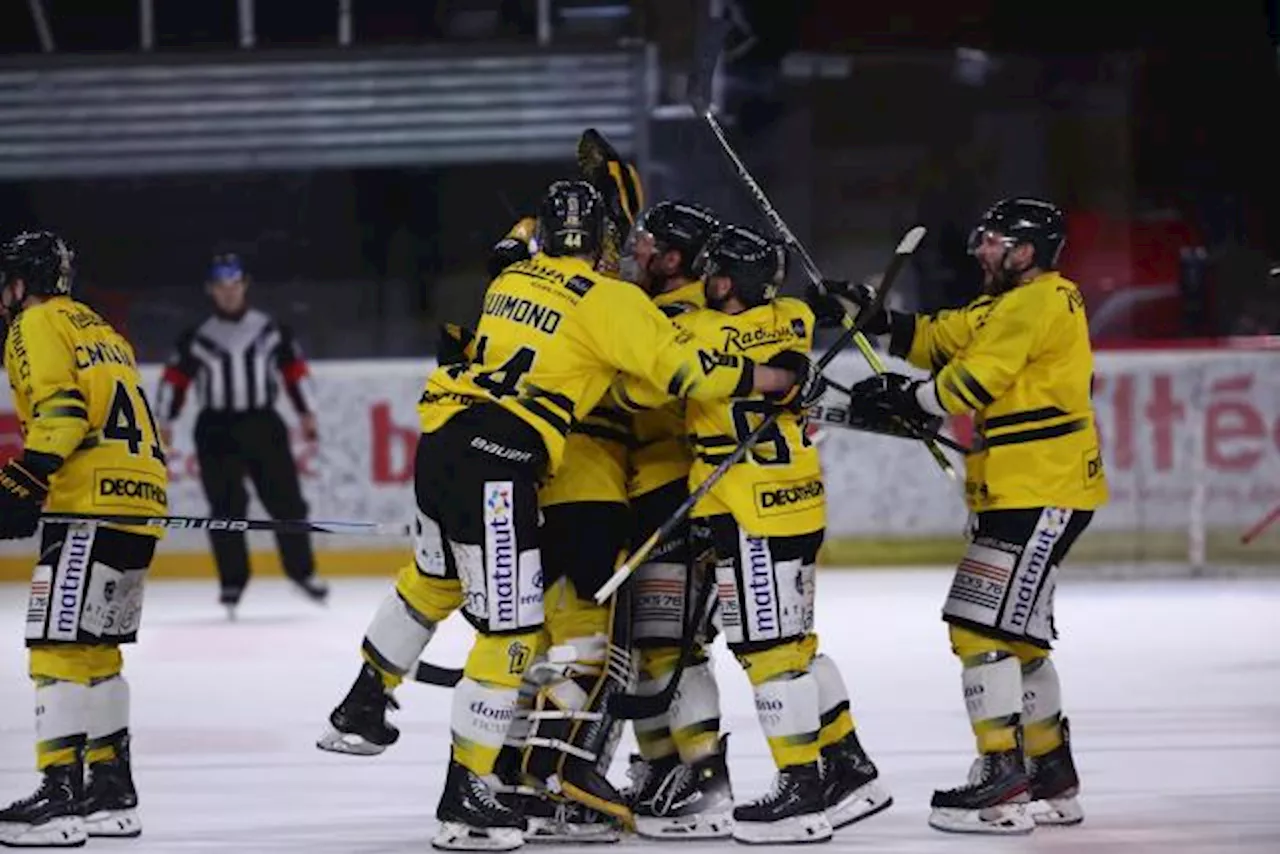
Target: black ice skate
{"type": "Point", "coordinates": [1055, 785]}
{"type": "Point", "coordinates": [993, 801]}
{"type": "Point", "coordinates": [51, 818]}
{"type": "Point", "coordinates": [850, 783]}
{"type": "Point", "coordinates": [646, 777]}
{"type": "Point", "coordinates": [472, 818]}
{"type": "Point", "coordinates": [229, 598]}
{"type": "Point", "coordinates": [359, 724]}
{"type": "Point", "coordinates": [313, 587]}
{"type": "Point", "coordinates": [111, 801]}
{"type": "Point", "coordinates": [793, 811]}
{"type": "Point", "coordinates": [689, 801]}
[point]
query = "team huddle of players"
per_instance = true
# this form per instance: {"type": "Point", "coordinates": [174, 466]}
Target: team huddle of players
{"type": "Point", "coordinates": [575, 419]}
{"type": "Point", "coordinates": [621, 355]}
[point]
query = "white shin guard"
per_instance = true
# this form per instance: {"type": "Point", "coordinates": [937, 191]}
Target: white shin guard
{"type": "Point", "coordinates": [1041, 692]}
{"type": "Point", "coordinates": [696, 706]}
{"type": "Point", "coordinates": [397, 635]}
{"type": "Point", "coordinates": [993, 690]}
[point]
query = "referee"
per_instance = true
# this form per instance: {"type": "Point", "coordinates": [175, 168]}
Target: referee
{"type": "Point", "coordinates": [238, 359]}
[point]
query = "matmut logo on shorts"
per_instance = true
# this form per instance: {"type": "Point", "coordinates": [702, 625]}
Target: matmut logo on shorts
{"type": "Point", "coordinates": [126, 488]}
{"type": "Point", "coordinates": [500, 553]}
{"type": "Point", "coordinates": [776, 499]}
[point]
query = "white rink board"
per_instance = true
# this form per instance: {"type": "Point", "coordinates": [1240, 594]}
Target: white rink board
{"type": "Point", "coordinates": [1173, 422]}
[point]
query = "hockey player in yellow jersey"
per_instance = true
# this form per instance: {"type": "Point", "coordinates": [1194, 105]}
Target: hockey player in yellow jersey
{"type": "Point", "coordinates": [682, 787]}
{"type": "Point", "coordinates": [1018, 357]}
{"type": "Point", "coordinates": [765, 519]}
{"type": "Point", "coordinates": [553, 334]}
{"type": "Point", "coordinates": [90, 445]}
{"type": "Point", "coordinates": [592, 477]}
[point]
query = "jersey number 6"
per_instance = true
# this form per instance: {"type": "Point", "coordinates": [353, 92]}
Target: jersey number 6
{"type": "Point", "coordinates": [743, 425]}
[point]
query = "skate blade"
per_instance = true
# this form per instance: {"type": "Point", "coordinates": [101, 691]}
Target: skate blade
{"type": "Point", "coordinates": [65, 832]}
{"type": "Point", "coordinates": [1002, 820]}
{"type": "Point", "coordinates": [863, 802]}
{"type": "Point", "coordinates": [349, 744]}
{"type": "Point", "coordinates": [1056, 812]}
{"type": "Point", "coordinates": [114, 824]}
{"type": "Point", "coordinates": [797, 830]}
{"type": "Point", "coordinates": [544, 830]}
{"type": "Point", "coordinates": [454, 836]}
{"type": "Point", "coordinates": [700, 826]}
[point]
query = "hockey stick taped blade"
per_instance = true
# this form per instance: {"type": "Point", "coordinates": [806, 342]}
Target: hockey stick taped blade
{"type": "Point", "coordinates": [910, 241]}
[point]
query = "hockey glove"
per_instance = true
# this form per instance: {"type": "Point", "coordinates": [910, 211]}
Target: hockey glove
{"type": "Point", "coordinates": [809, 386]}
{"type": "Point", "coordinates": [836, 298]}
{"type": "Point", "coordinates": [887, 403]}
{"type": "Point", "coordinates": [455, 344]}
{"type": "Point", "coordinates": [24, 485]}
{"type": "Point", "coordinates": [512, 248]}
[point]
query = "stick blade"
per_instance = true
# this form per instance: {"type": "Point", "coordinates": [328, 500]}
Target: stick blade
{"type": "Point", "coordinates": [910, 240]}
{"type": "Point", "coordinates": [708, 46]}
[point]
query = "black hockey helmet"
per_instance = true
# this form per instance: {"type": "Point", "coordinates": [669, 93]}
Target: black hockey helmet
{"type": "Point", "coordinates": [756, 265]}
{"type": "Point", "coordinates": [571, 220]}
{"type": "Point", "coordinates": [681, 226]}
{"type": "Point", "coordinates": [1024, 220]}
{"type": "Point", "coordinates": [41, 259]}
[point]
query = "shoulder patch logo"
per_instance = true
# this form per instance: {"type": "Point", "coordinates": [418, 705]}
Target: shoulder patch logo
{"type": "Point", "coordinates": [579, 285]}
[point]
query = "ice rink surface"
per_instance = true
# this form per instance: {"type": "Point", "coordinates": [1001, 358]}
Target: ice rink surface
{"type": "Point", "coordinates": [1172, 686]}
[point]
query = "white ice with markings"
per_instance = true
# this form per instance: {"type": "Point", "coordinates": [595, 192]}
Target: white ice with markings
{"type": "Point", "coordinates": [1172, 686]}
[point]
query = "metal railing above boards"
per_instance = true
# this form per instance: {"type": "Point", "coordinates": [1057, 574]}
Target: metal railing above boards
{"type": "Point", "coordinates": [544, 22]}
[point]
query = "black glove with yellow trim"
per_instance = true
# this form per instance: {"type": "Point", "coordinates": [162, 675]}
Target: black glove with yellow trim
{"type": "Point", "coordinates": [24, 485]}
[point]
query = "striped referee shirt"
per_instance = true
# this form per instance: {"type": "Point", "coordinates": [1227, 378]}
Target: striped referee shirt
{"type": "Point", "coordinates": [236, 365]}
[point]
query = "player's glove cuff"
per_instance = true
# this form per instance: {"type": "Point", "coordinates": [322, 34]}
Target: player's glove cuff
{"type": "Point", "coordinates": [809, 386]}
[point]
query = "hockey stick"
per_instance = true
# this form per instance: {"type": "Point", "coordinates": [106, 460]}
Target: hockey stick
{"type": "Point", "coordinates": [434, 674]}
{"type": "Point", "coordinates": [836, 415]}
{"type": "Point", "coordinates": [637, 707]}
{"type": "Point", "coordinates": [1260, 526]}
{"type": "Point", "coordinates": [204, 523]}
{"type": "Point", "coordinates": [708, 56]}
{"type": "Point", "coordinates": [905, 247]}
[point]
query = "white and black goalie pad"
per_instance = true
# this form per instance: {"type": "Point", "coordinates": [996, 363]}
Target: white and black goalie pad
{"type": "Point", "coordinates": [88, 586]}
{"type": "Point", "coordinates": [764, 585]}
{"type": "Point", "coordinates": [570, 717]}
{"type": "Point", "coordinates": [1006, 581]}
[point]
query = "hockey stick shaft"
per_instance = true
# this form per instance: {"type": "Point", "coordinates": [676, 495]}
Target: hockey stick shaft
{"type": "Point", "coordinates": [905, 247]}
{"type": "Point", "coordinates": [433, 674]}
{"type": "Point", "coordinates": [1261, 525]}
{"type": "Point", "coordinates": [205, 523]}
{"type": "Point", "coordinates": [806, 260]}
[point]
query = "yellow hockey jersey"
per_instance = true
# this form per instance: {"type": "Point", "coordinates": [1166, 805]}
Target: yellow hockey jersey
{"type": "Point", "coordinates": [554, 333]}
{"type": "Point", "coordinates": [661, 452]}
{"type": "Point", "coordinates": [594, 467]}
{"type": "Point", "coordinates": [1021, 361]}
{"type": "Point", "coordinates": [777, 490]}
{"type": "Point", "coordinates": [78, 396]}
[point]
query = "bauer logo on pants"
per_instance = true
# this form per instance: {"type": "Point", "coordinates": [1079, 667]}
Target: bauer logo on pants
{"type": "Point", "coordinates": [501, 555]}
